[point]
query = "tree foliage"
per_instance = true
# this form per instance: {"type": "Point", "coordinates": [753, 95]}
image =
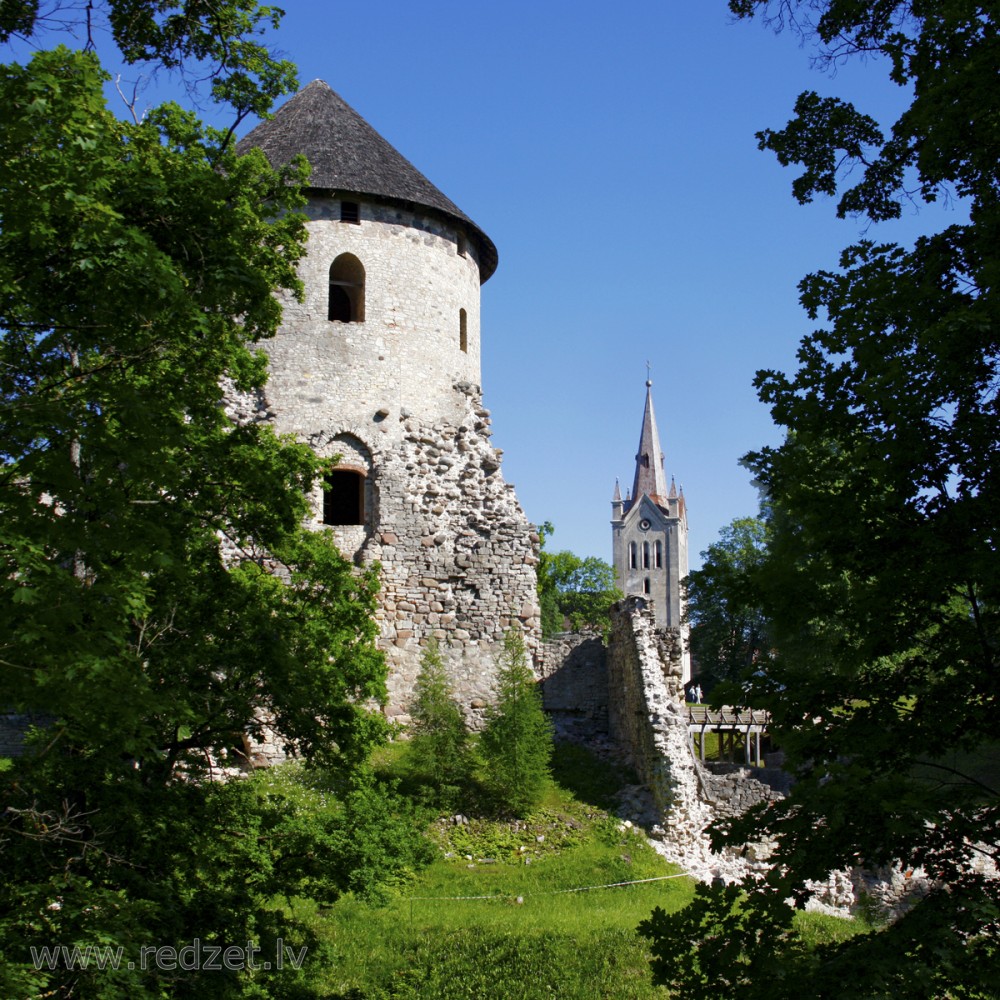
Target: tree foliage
{"type": "Point", "coordinates": [159, 597]}
{"type": "Point", "coordinates": [220, 44]}
{"type": "Point", "coordinates": [516, 744]}
{"type": "Point", "coordinates": [440, 738]}
{"type": "Point", "coordinates": [882, 577]}
{"type": "Point", "coordinates": [729, 631]}
{"type": "Point", "coordinates": [573, 591]}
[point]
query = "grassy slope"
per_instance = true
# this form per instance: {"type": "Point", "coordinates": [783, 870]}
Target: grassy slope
{"type": "Point", "coordinates": [552, 943]}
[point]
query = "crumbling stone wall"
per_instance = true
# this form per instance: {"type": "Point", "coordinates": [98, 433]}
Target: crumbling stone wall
{"type": "Point", "coordinates": [458, 556]}
{"type": "Point", "coordinates": [647, 718]}
{"type": "Point", "coordinates": [456, 552]}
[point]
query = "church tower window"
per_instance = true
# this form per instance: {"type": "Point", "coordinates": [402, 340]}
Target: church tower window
{"type": "Point", "coordinates": [645, 555]}
{"type": "Point", "coordinates": [659, 555]}
{"type": "Point", "coordinates": [633, 561]}
{"type": "Point", "coordinates": [347, 290]}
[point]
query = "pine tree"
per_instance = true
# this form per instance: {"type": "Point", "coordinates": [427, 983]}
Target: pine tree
{"type": "Point", "coordinates": [440, 744]}
{"type": "Point", "coordinates": [517, 741]}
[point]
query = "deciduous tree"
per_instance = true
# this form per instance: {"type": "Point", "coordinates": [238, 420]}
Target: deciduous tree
{"type": "Point", "coordinates": [729, 631]}
{"type": "Point", "coordinates": [159, 597]}
{"type": "Point", "coordinates": [882, 581]}
{"type": "Point", "coordinates": [574, 591]}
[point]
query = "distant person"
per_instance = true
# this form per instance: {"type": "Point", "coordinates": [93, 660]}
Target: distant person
{"type": "Point", "coordinates": [696, 694]}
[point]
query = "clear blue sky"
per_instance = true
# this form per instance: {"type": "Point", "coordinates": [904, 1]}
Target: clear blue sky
{"type": "Point", "coordinates": [609, 151]}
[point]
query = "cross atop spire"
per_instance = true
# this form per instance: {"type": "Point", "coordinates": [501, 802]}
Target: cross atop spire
{"type": "Point", "coordinates": [650, 477]}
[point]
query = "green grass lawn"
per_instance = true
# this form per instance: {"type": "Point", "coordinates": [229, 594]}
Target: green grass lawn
{"type": "Point", "coordinates": [528, 938]}
{"type": "Point", "coordinates": [525, 936]}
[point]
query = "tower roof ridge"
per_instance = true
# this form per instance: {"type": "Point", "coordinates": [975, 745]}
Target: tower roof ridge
{"type": "Point", "coordinates": [347, 155]}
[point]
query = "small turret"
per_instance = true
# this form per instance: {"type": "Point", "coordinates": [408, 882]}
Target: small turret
{"type": "Point", "coordinates": [617, 504]}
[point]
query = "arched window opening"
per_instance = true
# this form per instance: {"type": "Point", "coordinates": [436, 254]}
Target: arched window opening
{"type": "Point", "coordinates": [347, 290]}
{"type": "Point", "coordinates": [632, 563]}
{"type": "Point", "coordinates": [645, 555]}
{"type": "Point", "coordinates": [344, 497]}
{"type": "Point", "coordinates": [659, 555]}
{"type": "Point", "coordinates": [463, 330]}
{"type": "Point", "coordinates": [645, 585]}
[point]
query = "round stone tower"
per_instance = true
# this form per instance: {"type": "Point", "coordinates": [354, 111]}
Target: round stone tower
{"type": "Point", "coordinates": [380, 364]}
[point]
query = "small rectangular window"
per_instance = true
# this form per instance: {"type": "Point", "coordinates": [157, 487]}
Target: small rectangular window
{"type": "Point", "coordinates": [350, 211]}
{"type": "Point", "coordinates": [344, 497]}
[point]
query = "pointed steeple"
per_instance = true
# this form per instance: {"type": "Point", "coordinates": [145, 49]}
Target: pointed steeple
{"type": "Point", "coordinates": [616, 498]}
{"type": "Point", "coordinates": [649, 475]}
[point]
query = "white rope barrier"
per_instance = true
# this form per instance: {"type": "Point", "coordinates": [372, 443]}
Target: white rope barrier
{"type": "Point", "coordinates": [557, 892]}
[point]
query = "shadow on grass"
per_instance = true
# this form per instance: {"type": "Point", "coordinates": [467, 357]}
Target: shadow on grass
{"type": "Point", "coordinates": [590, 779]}
{"type": "Point", "coordinates": [396, 765]}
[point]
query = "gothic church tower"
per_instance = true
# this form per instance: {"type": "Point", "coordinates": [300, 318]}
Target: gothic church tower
{"type": "Point", "coordinates": [380, 364]}
{"type": "Point", "coordinates": [650, 535]}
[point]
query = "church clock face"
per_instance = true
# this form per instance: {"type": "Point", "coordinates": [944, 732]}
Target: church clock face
{"type": "Point", "coordinates": [645, 524]}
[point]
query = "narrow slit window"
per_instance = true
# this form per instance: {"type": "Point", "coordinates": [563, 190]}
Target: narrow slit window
{"type": "Point", "coordinates": [632, 561]}
{"type": "Point", "coordinates": [659, 555]}
{"type": "Point", "coordinates": [645, 555]}
{"type": "Point", "coordinates": [645, 585]}
{"type": "Point", "coordinates": [344, 497]}
{"type": "Point", "coordinates": [463, 330]}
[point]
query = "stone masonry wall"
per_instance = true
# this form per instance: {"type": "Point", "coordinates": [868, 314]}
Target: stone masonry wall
{"type": "Point", "coordinates": [574, 675]}
{"type": "Point", "coordinates": [647, 718]}
{"type": "Point", "coordinates": [406, 354]}
{"type": "Point", "coordinates": [458, 556]}
{"type": "Point", "coordinates": [733, 789]}
{"type": "Point", "coordinates": [457, 553]}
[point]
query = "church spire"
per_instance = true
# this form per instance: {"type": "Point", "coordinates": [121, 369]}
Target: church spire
{"type": "Point", "coordinates": [650, 477]}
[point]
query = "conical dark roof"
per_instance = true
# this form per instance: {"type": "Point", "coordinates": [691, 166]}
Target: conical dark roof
{"type": "Point", "coordinates": [347, 155]}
